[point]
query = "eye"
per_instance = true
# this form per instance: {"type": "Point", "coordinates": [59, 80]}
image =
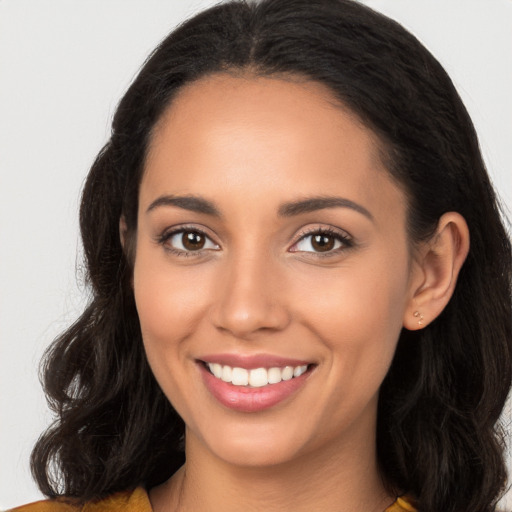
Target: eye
{"type": "Point", "coordinates": [322, 241]}
{"type": "Point", "coordinates": [187, 241]}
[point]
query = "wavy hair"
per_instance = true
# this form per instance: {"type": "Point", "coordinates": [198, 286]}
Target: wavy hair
{"type": "Point", "coordinates": [438, 434]}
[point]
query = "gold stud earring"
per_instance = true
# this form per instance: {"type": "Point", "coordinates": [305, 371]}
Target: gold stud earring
{"type": "Point", "coordinates": [419, 316]}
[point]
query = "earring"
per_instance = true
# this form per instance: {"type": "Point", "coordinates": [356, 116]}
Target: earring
{"type": "Point", "coordinates": [419, 316]}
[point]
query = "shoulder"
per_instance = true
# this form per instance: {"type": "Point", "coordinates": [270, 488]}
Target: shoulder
{"type": "Point", "coordinates": [402, 504]}
{"type": "Point", "coordinates": [128, 501]}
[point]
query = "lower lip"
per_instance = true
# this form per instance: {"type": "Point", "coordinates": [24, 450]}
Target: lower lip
{"type": "Point", "coordinates": [247, 399]}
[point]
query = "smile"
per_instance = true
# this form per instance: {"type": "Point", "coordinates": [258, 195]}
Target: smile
{"type": "Point", "coordinates": [256, 377]}
{"type": "Point", "coordinates": [254, 383]}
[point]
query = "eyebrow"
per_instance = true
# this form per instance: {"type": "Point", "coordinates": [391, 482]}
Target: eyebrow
{"type": "Point", "coordinates": [312, 204]}
{"type": "Point", "coordinates": [290, 209]}
{"type": "Point", "coordinates": [191, 203]}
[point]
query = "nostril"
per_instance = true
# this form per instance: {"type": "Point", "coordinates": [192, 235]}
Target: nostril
{"type": "Point", "coordinates": [245, 319]}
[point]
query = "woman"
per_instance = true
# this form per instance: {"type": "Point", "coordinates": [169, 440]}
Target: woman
{"type": "Point", "coordinates": [278, 241]}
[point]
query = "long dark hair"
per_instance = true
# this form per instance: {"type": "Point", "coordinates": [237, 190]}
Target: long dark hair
{"type": "Point", "coordinates": [440, 403]}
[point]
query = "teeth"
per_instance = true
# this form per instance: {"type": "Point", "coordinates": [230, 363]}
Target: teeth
{"type": "Point", "coordinates": [299, 370]}
{"type": "Point", "coordinates": [257, 377]}
{"type": "Point", "coordinates": [240, 377]}
{"type": "Point", "coordinates": [274, 375]}
{"type": "Point", "coordinates": [216, 370]}
{"type": "Point", "coordinates": [287, 373]}
{"type": "Point", "coordinates": [226, 373]}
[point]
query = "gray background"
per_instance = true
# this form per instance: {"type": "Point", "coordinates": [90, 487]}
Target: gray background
{"type": "Point", "coordinates": [64, 64]}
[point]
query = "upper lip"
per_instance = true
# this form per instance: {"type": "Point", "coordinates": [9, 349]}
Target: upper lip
{"type": "Point", "coordinates": [250, 362]}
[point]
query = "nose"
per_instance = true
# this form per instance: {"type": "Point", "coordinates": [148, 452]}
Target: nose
{"type": "Point", "coordinates": [250, 299]}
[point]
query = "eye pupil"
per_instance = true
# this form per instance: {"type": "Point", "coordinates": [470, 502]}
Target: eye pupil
{"type": "Point", "coordinates": [193, 241]}
{"type": "Point", "coordinates": [322, 243]}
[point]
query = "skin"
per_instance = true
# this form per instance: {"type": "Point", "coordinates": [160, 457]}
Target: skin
{"type": "Point", "coordinates": [250, 145]}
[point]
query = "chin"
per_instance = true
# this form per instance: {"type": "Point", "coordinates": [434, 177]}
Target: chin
{"type": "Point", "coordinates": [253, 444]}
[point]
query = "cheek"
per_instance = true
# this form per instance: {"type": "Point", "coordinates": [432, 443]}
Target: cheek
{"type": "Point", "coordinates": [356, 299]}
{"type": "Point", "coordinates": [358, 315]}
{"type": "Point", "coordinates": [169, 305]}
{"type": "Point", "coordinates": [168, 300]}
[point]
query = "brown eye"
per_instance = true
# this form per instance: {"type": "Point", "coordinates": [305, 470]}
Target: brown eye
{"type": "Point", "coordinates": [188, 241]}
{"type": "Point", "coordinates": [322, 242]}
{"type": "Point", "coordinates": [193, 241]}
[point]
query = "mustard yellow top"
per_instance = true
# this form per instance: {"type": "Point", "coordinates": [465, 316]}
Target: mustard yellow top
{"type": "Point", "coordinates": [138, 501]}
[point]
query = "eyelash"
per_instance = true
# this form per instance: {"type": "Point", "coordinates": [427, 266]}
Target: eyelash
{"type": "Point", "coordinates": [167, 235]}
{"type": "Point", "coordinates": [345, 241]}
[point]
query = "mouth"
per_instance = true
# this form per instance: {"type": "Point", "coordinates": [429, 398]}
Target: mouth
{"type": "Point", "coordinates": [257, 388]}
{"type": "Point", "coordinates": [255, 377]}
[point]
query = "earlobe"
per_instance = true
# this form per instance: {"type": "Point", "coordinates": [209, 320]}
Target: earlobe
{"type": "Point", "coordinates": [438, 267]}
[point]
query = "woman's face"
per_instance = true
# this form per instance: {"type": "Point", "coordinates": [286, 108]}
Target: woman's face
{"type": "Point", "coordinates": [270, 238]}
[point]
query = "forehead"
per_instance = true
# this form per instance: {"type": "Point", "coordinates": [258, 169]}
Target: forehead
{"type": "Point", "coordinates": [263, 136]}
{"type": "Point", "coordinates": [231, 105]}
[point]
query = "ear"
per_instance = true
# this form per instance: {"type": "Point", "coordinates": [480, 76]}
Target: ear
{"type": "Point", "coordinates": [435, 271]}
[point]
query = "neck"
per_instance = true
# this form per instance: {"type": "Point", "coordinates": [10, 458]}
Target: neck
{"type": "Point", "coordinates": [337, 479]}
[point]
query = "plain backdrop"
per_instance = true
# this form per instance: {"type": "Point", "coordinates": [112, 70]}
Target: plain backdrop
{"type": "Point", "coordinates": [64, 64]}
